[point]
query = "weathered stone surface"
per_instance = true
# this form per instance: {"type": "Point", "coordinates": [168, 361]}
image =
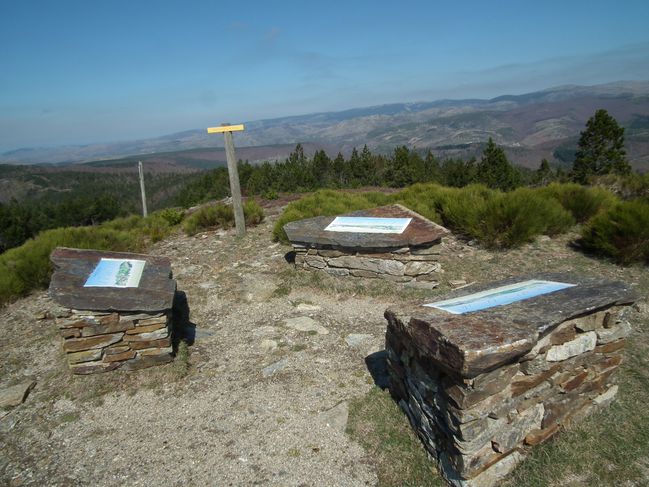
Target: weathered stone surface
{"type": "Point", "coordinates": [15, 395]}
{"type": "Point", "coordinates": [336, 272]}
{"type": "Point", "coordinates": [538, 436]}
{"type": "Point", "coordinates": [330, 253]}
{"type": "Point", "coordinates": [315, 261]}
{"type": "Point", "coordinates": [563, 334]}
{"type": "Point", "coordinates": [112, 326]}
{"type": "Point", "coordinates": [365, 274]}
{"type": "Point", "coordinates": [73, 266]}
{"type": "Point", "coordinates": [617, 332]}
{"type": "Point", "coordinates": [275, 367]}
{"type": "Point", "coordinates": [93, 367]}
{"type": "Point", "coordinates": [146, 328]}
{"type": "Point", "coordinates": [162, 319]}
{"type": "Point", "coordinates": [162, 343]}
{"type": "Point", "coordinates": [606, 398]}
{"type": "Point", "coordinates": [268, 345]}
{"type": "Point", "coordinates": [483, 386]}
{"type": "Point", "coordinates": [524, 383]}
{"type": "Point", "coordinates": [417, 268]}
{"type": "Point", "coordinates": [494, 475]}
{"type": "Point", "coordinates": [419, 232]}
{"type": "Point", "coordinates": [139, 316]}
{"type": "Point", "coordinates": [84, 356]}
{"type": "Point", "coordinates": [114, 349]}
{"type": "Point", "coordinates": [518, 429]}
{"type": "Point", "coordinates": [154, 335]}
{"type": "Point", "coordinates": [610, 347]}
{"type": "Point", "coordinates": [304, 323]}
{"type": "Point", "coordinates": [356, 340]}
{"type": "Point", "coordinates": [99, 341]}
{"type": "Point", "coordinates": [466, 344]}
{"type": "Point", "coordinates": [70, 332]}
{"type": "Point", "coordinates": [145, 361]}
{"type": "Point", "coordinates": [380, 266]}
{"type": "Point", "coordinates": [583, 343]}
{"type": "Point", "coordinates": [117, 357]}
{"type": "Point", "coordinates": [149, 352]}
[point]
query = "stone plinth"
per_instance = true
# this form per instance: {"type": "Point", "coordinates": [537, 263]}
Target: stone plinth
{"type": "Point", "coordinates": [108, 327]}
{"type": "Point", "coordinates": [480, 388]}
{"type": "Point", "coordinates": [409, 256]}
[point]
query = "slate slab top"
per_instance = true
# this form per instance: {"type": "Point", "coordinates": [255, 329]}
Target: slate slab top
{"type": "Point", "coordinates": [473, 343]}
{"type": "Point", "coordinates": [420, 231]}
{"type": "Point", "coordinates": [73, 266]}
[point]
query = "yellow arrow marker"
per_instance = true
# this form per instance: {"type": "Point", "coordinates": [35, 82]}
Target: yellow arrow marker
{"type": "Point", "coordinates": [225, 128]}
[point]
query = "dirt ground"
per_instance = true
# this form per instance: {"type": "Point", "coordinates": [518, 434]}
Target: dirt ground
{"type": "Point", "coordinates": [261, 399]}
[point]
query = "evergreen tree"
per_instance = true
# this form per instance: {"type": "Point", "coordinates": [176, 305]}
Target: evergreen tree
{"type": "Point", "coordinates": [544, 174]}
{"type": "Point", "coordinates": [494, 170]}
{"type": "Point", "coordinates": [601, 148]}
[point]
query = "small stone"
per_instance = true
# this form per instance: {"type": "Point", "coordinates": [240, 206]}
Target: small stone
{"type": "Point", "coordinates": [15, 395]}
{"type": "Point", "coordinates": [154, 335]}
{"type": "Point", "coordinates": [275, 367]}
{"type": "Point", "coordinates": [84, 356]}
{"type": "Point", "coordinates": [306, 307]}
{"type": "Point", "coordinates": [422, 284]}
{"type": "Point", "coordinates": [583, 343]}
{"type": "Point", "coordinates": [336, 271]}
{"type": "Point", "coordinates": [86, 368]}
{"type": "Point", "coordinates": [336, 417]}
{"type": "Point", "coordinates": [145, 328]}
{"type": "Point", "coordinates": [619, 331]}
{"type": "Point", "coordinates": [417, 268]}
{"type": "Point", "coordinates": [152, 352]}
{"type": "Point", "coordinates": [355, 340]}
{"type": "Point", "coordinates": [315, 261]}
{"type": "Point", "coordinates": [304, 323]}
{"type": "Point", "coordinates": [455, 284]}
{"type": "Point", "coordinates": [152, 321]}
{"type": "Point", "coordinates": [139, 316]}
{"type": "Point", "coordinates": [118, 357]}
{"type": "Point", "coordinates": [606, 398]}
{"type": "Point", "coordinates": [100, 341]}
{"type": "Point", "coordinates": [268, 345]}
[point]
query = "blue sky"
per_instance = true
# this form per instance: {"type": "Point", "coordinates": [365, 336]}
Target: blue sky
{"type": "Point", "coordinates": [76, 72]}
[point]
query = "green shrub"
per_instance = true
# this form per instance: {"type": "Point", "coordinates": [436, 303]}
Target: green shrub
{"type": "Point", "coordinates": [512, 219]}
{"type": "Point", "coordinates": [270, 194]}
{"type": "Point", "coordinates": [27, 267]}
{"type": "Point", "coordinates": [622, 232]}
{"type": "Point", "coordinates": [221, 216]}
{"type": "Point", "coordinates": [581, 201]}
{"type": "Point", "coordinates": [462, 209]}
{"type": "Point", "coordinates": [173, 216]}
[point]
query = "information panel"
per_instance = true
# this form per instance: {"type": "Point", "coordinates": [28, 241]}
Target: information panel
{"type": "Point", "coordinates": [116, 273]}
{"type": "Point", "coordinates": [499, 296]}
{"type": "Point", "coordinates": [363, 224]}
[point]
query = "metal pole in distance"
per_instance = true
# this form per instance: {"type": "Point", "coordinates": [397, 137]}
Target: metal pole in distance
{"type": "Point", "coordinates": [235, 189]}
{"type": "Point", "coordinates": [139, 167]}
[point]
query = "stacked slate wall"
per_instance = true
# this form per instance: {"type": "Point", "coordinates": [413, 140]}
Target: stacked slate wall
{"type": "Point", "coordinates": [101, 341]}
{"type": "Point", "coordinates": [404, 264]}
{"type": "Point", "coordinates": [478, 429]}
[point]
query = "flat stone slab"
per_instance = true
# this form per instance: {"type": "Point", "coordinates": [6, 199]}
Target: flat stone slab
{"type": "Point", "coordinates": [473, 343]}
{"type": "Point", "coordinates": [73, 266]}
{"type": "Point", "coordinates": [421, 231]}
{"type": "Point", "coordinates": [15, 395]}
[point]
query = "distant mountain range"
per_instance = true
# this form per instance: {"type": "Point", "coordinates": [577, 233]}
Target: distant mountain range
{"type": "Point", "coordinates": [543, 124]}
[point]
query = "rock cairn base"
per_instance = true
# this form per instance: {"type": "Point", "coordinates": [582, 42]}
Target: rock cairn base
{"type": "Point", "coordinates": [478, 428]}
{"type": "Point", "coordinates": [99, 341]}
{"type": "Point", "coordinates": [406, 264]}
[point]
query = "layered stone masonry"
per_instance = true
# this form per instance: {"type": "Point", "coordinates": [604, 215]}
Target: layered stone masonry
{"type": "Point", "coordinates": [103, 341]}
{"type": "Point", "coordinates": [405, 264]}
{"type": "Point", "coordinates": [478, 428]}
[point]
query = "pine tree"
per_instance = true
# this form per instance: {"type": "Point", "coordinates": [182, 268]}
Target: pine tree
{"type": "Point", "coordinates": [601, 149]}
{"type": "Point", "coordinates": [494, 170]}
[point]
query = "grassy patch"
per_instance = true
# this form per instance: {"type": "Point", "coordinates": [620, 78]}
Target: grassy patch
{"type": "Point", "coordinates": [379, 425]}
{"type": "Point", "coordinates": [221, 216]}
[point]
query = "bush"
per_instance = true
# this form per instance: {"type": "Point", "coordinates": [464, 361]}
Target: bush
{"type": "Point", "coordinates": [622, 233]}
{"type": "Point", "coordinates": [462, 209]}
{"type": "Point", "coordinates": [582, 202]}
{"type": "Point", "coordinates": [28, 267]}
{"type": "Point", "coordinates": [173, 216]}
{"type": "Point", "coordinates": [221, 216]}
{"type": "Point", "coordinates": [512, 219]}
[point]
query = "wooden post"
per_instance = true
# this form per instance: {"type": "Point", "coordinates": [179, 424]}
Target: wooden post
{"type": "Point", "coordinates": [235, 189]}
{"type": "Point", "coordinates": [139, 167]}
